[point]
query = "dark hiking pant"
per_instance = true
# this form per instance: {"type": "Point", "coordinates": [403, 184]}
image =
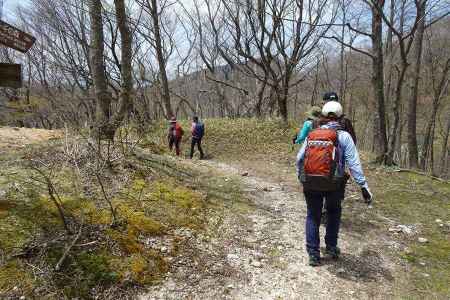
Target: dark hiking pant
{"type": "Point", "coordinates": [342, 191]}
{"type": "Point", "coordinates": [173, 141]}
{"type": "Point", "coordinates": [198, 142]}
{"type": "Point", "coordinates": [314, 202]}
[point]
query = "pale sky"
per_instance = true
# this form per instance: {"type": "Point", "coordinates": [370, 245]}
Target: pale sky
{"type": "Point", "coordinates": [9, 8]}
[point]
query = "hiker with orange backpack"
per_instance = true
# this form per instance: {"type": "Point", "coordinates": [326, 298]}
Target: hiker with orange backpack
{"type": "Point", "coordinates": [174, 135]}
{"type": "Point", "coordinates": [321, 164]}
{"type": "Point", "coordinates": [317, 121]}
{"type": "Point", "coordinates": [314, 120]}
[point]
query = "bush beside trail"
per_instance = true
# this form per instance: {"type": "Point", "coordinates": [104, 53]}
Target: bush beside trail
{"type": "Point", "coordinates": [80, 223]}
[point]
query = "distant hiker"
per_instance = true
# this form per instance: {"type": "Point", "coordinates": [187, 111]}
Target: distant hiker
{"type": "Point", "coordinates": [174, 135]}
{"type": "Point", "coordinates": [313, 114]}
{"type": "Point", "coordinates": [198, 131]}
{"type": "Point", "coordinates": [321, 164]}
{"type": "Point", "coordinates": [345, 123]}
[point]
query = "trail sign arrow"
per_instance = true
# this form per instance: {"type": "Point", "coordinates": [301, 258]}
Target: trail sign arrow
{"type": "Point", "coordinates": [13, 37]}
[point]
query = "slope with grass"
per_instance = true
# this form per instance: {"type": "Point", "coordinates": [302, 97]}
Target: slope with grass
{"type": "Point", "coordinates": [77, 225]}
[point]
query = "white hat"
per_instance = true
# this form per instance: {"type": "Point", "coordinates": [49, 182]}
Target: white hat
{"type": "Point", "coordinates": [332, 107]}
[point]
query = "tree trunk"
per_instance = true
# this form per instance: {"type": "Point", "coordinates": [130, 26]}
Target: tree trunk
{"type": "Point", "coordinates": [396, 111]}
{"type": "Point", "coordinates": [342, 57]}
{"type": "Point", "coordinates": [161, 59]}
{"type": "Point", "coordinates": [378, 82]}
{"type": "Point", "coordinates": [412, 109]}
{"type": "Point", "coordinates": [260, 99]}
{"type": "Point", "coordinates": [102, 95]}
{"type": "Point", "coordinates": [445, 150]}
{"type": "Point", "coordinates": [316, 83]}
{"type": "Point", "coordinates": [428, 138]}
{"type": "Point", "coordinates": [283, 98]}
{"type": "Point", "coordinates": [282, 105]}
{"type": "Point", "coordinates": [126, 102]}
{"type": "Point", "coordinates": [438, 93]}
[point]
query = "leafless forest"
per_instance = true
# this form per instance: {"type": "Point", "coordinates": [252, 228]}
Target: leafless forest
{"type": "Point", "coordinates": [105, 63]}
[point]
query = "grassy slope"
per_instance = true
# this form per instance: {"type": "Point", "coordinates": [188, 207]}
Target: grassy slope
{"type": "Point", "coordinates": [155, 199]}
{"type": "Point", "coordinates": [405, 198]}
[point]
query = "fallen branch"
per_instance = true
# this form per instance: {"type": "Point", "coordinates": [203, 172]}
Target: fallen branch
{"type": "Point", "coordinates": [63, 257]}
{"type": "Point", "coordinates": [54, 197]}
{"type": "Point", "coordinates": [87, 244]}
{"type": "Point", "coordinates": [105, 196]}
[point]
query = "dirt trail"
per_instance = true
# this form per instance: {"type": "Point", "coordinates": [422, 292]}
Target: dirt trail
{"type": "Point", "coordinates": [17, 137]}
{"type": "Point", "coordinates": [268, 255]}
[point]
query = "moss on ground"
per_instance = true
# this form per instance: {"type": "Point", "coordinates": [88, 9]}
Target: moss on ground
{"type": "Point", "coordinates": [14, 274]}
{"type": "Point", "coordinates": [414, 199]}
{"type": "Point", "coordinates": [151, 196]}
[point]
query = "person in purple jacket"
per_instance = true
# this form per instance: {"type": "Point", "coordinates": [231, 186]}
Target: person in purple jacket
{"type": "Point", "coordinates": [198, 131]}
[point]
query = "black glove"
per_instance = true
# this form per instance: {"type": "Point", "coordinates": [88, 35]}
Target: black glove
{"type": "Point", "coordinates": [367, 195]}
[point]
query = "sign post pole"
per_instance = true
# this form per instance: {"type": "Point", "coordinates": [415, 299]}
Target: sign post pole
{"type": "Point", "coordinates": [12, 37]}
{"type": "Point", "coordinates": [11, 75]}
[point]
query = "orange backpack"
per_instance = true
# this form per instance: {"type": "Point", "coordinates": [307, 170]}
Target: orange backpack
{"type": "Point", "coordinates": [321, 161]}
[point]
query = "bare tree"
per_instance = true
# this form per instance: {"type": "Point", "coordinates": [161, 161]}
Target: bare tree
{"type": "Point", "coordinates": [107, 122]}
{"type": "Point", "coordinates": [155, 38]}
{"type": "Point", "coordinates": [412, 107]}
{"type": "Point", "coordinates": [279, 37]}
{"type": "Point", "coordinates": [102, 94]}
{"type": "Point", "coordinates": [437, 68]}
{"type": "Point", "coordinates": [377, 58]}
{"type": "Point", "coordinates": [126, 102]}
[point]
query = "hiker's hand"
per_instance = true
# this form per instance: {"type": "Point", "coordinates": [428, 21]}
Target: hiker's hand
{"type": "Point", "coordinates": [367, 195]}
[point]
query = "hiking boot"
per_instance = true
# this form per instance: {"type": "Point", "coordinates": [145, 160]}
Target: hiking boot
{"type": "Point", "coordinates": [334, 252]}
{"type": "Point", "coordinates": [314, 261]}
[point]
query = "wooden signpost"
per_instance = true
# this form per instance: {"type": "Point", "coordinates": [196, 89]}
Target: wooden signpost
{"type": "Point", "coordinates": [11, 75]}
{"type": "Point", "coordinates": [12, 37]}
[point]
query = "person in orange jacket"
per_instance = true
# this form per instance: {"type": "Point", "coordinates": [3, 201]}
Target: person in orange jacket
{"type": "Point", "coordinates": [174, 135]}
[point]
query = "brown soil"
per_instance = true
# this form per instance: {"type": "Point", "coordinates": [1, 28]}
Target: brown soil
{"type": "Point", "coordinates": [15, 137]}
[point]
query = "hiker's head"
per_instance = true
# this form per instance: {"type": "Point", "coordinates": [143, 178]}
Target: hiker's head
{"type": "Point", "coordinates": [195, 119]}
{"type": "Point", "coordinates": [173, 120]}
{"type": "Point", "coordinates": [332, 110]}
{"type": "Point", "coordinates": [329, 96]}
{"type": "Point", "coordinates": [314, 113]}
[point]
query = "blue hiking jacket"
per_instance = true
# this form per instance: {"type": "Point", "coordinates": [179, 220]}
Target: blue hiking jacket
{"type": "Point", "coordinates": [349, 156]}
{"type": "Point", "coordinates": [307, 127]}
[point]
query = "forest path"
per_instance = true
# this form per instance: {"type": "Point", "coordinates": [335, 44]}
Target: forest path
{"type": "Point", "coordinates": [18, 137]}
{"type": "Point", "coordinates": [268, 252]}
